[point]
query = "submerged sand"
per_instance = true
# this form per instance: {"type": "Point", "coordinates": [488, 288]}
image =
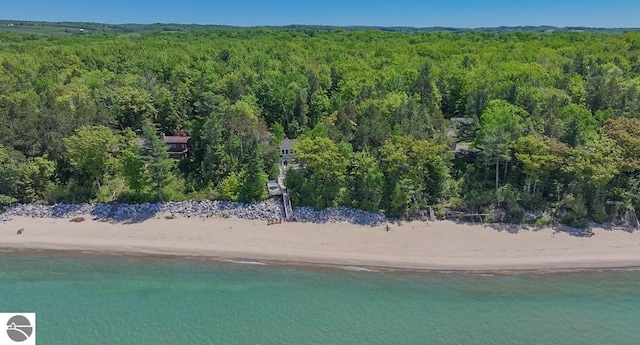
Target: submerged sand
{"type": "Point", "coordinates": [441, 245]}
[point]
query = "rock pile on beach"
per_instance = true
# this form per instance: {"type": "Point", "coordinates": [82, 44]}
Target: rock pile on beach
{"type": "Point", "coordinates": [268, 209]}
{"type": "Point", "coordinates": [338, 214]}
{"type": "Point", "coordinates": [119, 212]}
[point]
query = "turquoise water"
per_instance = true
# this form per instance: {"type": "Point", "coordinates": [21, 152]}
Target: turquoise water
{"type": "Point", "coordinates": [112, 300]}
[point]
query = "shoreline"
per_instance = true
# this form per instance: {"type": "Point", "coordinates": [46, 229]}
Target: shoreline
{"type": "Point", "coordinates": [316, 266]}
{"type": "Point", "coordinates": [441, 246]}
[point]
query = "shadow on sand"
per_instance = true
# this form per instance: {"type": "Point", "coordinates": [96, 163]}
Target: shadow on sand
{"type": "Point", "coordinates": [557, 228]}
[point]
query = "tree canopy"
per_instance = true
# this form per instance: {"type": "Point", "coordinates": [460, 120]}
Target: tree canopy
{"type": "Point", "coordinates": [388, 120]}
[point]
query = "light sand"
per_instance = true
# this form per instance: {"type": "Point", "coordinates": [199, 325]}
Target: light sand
{"type": "Point", "coordinates": [441, 245]}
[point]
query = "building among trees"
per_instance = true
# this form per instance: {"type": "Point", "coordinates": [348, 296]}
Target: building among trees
{"type": "Point", "coordinates": [179, 144]}
{"type": "Point", "coordinates": [286, 151]}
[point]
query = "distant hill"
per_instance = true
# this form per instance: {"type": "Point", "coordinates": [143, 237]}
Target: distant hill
{"type": "Point", "coordinates": [83, 28]}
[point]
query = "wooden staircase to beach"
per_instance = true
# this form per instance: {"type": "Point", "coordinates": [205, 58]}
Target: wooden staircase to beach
{"type": "Point", "coordinates": [286, 201]}
{"type": "Point", "coordinates": [288, 210]}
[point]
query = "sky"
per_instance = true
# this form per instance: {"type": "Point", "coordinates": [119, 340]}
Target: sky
{"type": "Point", "coordinates": [414, 13]}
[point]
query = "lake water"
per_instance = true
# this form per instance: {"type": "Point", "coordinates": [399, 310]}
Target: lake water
{"type": "Point", "coordinates": [114, 300]}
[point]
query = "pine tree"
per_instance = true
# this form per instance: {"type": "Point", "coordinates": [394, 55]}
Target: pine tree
{"type": "Point", "coordinates": [156, 158]}
{"type": "Point", "coordinates": [134, 170]}
{"type": "Point", "coordinates": [215, 165]}
{"type": "Point", "coordinates": [256, 179]}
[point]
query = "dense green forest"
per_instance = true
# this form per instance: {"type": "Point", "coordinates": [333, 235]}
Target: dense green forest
{"type": "Point", "coordinates": [387, 121]}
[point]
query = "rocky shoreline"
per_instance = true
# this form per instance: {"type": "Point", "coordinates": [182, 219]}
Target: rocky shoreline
{"type": "Point", "coordinates": [269, 209]}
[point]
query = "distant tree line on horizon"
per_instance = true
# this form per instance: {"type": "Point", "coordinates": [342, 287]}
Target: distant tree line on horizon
{"type": "Point", "coordinates": [387, 121]}
{"type": "Point", "coordinates": [72, 28]}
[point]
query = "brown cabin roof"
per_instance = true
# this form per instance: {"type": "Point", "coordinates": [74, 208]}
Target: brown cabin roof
{"type": "Point", "coordinates": [172, 139]}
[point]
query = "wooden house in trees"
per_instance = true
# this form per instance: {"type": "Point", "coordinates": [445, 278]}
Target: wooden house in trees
{"type": "Point", "coordinates": [179, 145]}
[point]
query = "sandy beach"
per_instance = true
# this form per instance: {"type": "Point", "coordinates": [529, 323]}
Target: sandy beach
{"type": "Point", "coordinates": [441, 245]}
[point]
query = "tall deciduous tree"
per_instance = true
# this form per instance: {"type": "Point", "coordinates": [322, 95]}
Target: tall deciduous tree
{"type": "Point", "coordinates": [417, 167]}
{"type": "Point", "coordinates": [36, 178]}
{"type": "Point", "coordinates": [325, 169]}
{"type": "Point", "coordinates": [133, 106]}
{"type": "Point", "coordinates": [539, 158]}
{"type": "Point", "coordinates": [592, 167]}
{"type": "Point", "coordinates": [578, 125]}
{"type": "Point", "coordinates": [9, 173]}
{"type": "Point", "coordinates": [501, 122]}
{"type": "Point", "coordinates": [134, 169]}
{"type": "Point", "coordinates": [626, 134]}
{"type": "Point", "coordinates": [594, 164]}
{"type": "Point", "coordinates": [366, 182]}
{"type": "Point", "coordinates": [92, 152]}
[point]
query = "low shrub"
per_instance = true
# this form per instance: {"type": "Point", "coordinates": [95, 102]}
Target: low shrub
{"type": "Point", "coordinates": [543, 221]}
{"type": "Point", "coordinates": [6, 200]}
